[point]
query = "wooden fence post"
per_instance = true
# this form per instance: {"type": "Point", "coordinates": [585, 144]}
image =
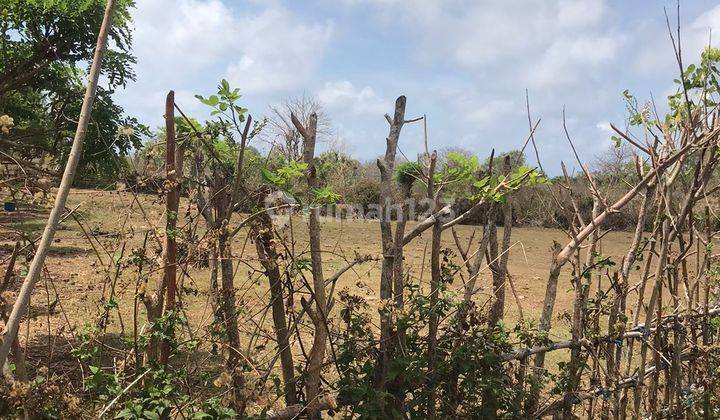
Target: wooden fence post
{"type": "Point", "coordinates": [173, 171]}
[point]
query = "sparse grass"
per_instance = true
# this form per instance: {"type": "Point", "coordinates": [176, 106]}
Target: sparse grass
{"type": "Point", "coordinates": [114, 216]}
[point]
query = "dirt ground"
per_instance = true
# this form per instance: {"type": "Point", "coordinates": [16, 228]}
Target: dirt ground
{"type": "Point", "coordinates": [82, 273]}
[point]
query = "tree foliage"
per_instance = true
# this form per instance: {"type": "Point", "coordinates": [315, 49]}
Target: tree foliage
{"type": "Point", "coordinates": [44, 47]}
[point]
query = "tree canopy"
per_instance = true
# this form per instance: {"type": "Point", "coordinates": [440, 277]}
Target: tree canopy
{"type": "Point", "coordinates": [45, 46]}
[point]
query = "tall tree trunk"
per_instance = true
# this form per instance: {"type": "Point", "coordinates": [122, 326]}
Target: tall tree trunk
{"type": "Point", "coordinates": [162, 299]}
{"type": "Point", "coordinates": [389, 250]}
{"type": "Point", "coordinates": [230, 322]}
{"type": "Point", "coordinates": [399, 341]}
{"type": "Point", "coordinates": [269, 259]}
{"type": "Point", "coordinates": [320, 314]}
{"type": "Point", "coordinates": [497, 310]}
{"type": "Point", "coordinates": [435, 284]}
{"type": "Point", "coordinates": [173, 173]}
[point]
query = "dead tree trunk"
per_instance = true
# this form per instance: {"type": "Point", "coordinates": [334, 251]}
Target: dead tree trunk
{"type": "Point", "coordinates": [578, 317]}
{"type": "Point", "coordinates": [435, 284]}
{"type": "Point", "coordinates": [162, 299]}
{"type": "Point", "coordinates": [173, 171]}
{"type": "Point", "coordinates": [499, 265]}
{"type": "Point", "coordinates": [319, 314]}
{"type": "Point", "coordinates": [229, 315]}
{"type": "Point", "coordinates": [659, 274]}
{"type": "Point", "coordinates": [263, 235]}
{"type": "Point", "coordinates": [389, 247]}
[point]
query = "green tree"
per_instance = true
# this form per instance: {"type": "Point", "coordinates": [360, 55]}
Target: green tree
{"type": "Point", "coordinates": [44, 45]}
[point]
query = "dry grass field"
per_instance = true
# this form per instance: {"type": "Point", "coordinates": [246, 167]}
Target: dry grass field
{"type": "Point", "coordinates": [113, 217]}
{"type": "Point", "coordinates": [105, 226]}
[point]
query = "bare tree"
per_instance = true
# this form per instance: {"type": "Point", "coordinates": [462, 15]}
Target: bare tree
{"type": "Point", "coordinates": [319, 315]}
{"type": "Point", "coordinates": [282, 134]}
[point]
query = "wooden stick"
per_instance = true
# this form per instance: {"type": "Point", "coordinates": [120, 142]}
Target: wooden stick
{"type": "Point", "coordinates": [639, 331]}
{"type": "Point", "coordinates": [172, 204]}
{"type": "Point", "coordinates": [13, 324]}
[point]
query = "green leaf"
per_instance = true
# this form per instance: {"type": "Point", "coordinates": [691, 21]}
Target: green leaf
{"type": "Point", "coordinates": [482, 183]}
{"type": "Point", "coordinates": [292, 169]}
{"type": "Point", "coordinates": [151, 415]}
{"type": "Point", "coordinates": [325, 195]}
{"type": "Point", "coordinates": [271, 177]}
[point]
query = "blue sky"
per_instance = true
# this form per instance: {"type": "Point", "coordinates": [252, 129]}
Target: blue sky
{"type": "Point", "coordinates": [466, 64]}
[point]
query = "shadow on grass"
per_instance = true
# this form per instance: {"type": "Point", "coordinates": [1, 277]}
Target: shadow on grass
{"type": "Point", "coordinates": [61, 355]}
{"type": "Point", "coordinates": [27, 220]}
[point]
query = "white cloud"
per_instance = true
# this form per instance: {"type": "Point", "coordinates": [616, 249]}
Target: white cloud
{"type": "Point", "coordinates": [261, 52]}
{"type": "Point", "coordinates": [343, 95]}
{"type": "Point", "coordinates": [485, 112]}
{"type": "Point", "coordinates": [191, 44]}
{"type": "Point", "coordinates": [568, 61]}
{"type": "Point", "coordinates": [654, 47]}
{"type": "Point", "coordinates": [171, 48]}
{"type": "Point", "coordinates": [277, 51]}
{"type": "Point", "coordinates": [558, 41]}
{"type": "Point", "coordinates": [604, 126]}
{"type": "Point", "coordinates": [465, 63]}
{"type": "Point", "coordinates": [579, 13]}
{"type": "Point", "coordinates": [702, 27]}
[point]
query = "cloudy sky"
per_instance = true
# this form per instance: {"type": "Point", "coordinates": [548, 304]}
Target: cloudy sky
{"type": "Point", "coordinates": [464, 63]}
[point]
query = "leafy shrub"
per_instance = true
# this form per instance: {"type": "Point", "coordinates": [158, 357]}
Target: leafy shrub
{"type": "Point", "coordinates": [469, 377]}
{"type": "Point", "coordinates": [365, 192]}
